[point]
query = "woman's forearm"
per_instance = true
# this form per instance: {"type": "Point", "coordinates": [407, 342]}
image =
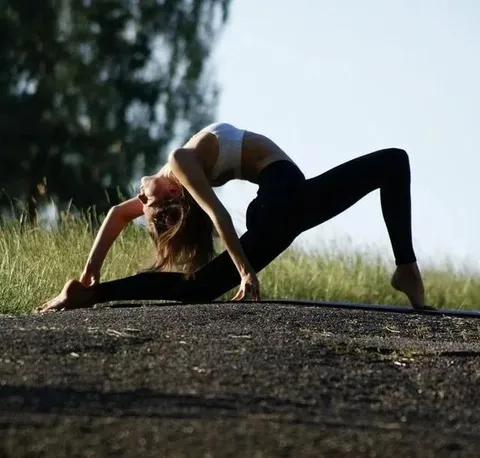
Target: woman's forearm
{"type": "Point", "coordinates": [110, 229]}
{"type": "Point", "coordinates": [226, 230]}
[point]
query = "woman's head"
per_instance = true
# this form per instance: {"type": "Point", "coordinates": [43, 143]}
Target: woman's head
{"type": "Point", "coordinates": [157, 188]}
{"type": "Point", "coordinates": [181, 231]}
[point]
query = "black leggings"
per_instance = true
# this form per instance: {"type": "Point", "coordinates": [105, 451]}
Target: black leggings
{"type": "Point", "coordinates": [286, 205]}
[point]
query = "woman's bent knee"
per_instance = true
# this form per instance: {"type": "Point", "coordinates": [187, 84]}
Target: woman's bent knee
{"type": "Point", "coordinates": [398, 154]}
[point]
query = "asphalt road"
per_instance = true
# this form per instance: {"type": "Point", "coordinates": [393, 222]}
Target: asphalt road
{"type": "Point", "coordinates": [239, 380]}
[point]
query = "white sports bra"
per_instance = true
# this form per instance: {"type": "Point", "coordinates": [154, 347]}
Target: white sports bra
{"type": "Point", "coordinates": [229, 148]}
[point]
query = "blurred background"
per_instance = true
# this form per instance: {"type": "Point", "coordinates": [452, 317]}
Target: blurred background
{"type": "Point", "coordinates": [94, 94]}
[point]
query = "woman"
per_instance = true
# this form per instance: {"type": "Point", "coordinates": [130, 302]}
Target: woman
{"type": "Point", "coordinates": [183, 212]}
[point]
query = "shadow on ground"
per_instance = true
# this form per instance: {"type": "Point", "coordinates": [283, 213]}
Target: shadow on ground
{"type": "Point", "coordinates": [239, 380]}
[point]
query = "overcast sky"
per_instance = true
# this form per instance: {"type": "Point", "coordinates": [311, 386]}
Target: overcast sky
{"type": "Point", "coordinates": [330, 80]}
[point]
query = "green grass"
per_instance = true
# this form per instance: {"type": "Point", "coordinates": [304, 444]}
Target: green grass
{"type": "Point", "coordinates": [37, 261]}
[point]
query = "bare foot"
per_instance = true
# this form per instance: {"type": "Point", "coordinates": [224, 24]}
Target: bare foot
{"type": "Point", "coordinates": [408, 280]}
{"type": "Point", "coordinates": [74, 295]}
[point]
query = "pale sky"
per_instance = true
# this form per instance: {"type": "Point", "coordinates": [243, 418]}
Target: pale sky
{"type": "Point", "coordinates": [329, 80]}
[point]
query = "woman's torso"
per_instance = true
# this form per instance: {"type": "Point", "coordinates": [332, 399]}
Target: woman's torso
{"type": "Point", "coordinates": [257, 152]}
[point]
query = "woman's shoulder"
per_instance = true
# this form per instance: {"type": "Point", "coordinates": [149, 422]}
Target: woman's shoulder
{"type": "Point", "coordinates": [220, 126]}
{"type": "Point", "coordinates": [166, 170]}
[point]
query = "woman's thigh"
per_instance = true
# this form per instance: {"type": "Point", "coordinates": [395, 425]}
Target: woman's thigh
{"type": "Point", "coordinates": [329, 194]}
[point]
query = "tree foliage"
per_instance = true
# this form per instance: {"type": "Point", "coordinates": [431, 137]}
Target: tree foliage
{"type": "Point", "coordinates": [93, 92]}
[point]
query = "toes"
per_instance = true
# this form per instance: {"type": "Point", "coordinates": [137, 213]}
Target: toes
{"type": "Point", "coordinates": [47, 308]}
{"type": "Point", "coordinates": [51, 306]}
{"type": "Point", "coordinates": [42, 308]}
{"type": "Point", "coordinates": [425, 307]}
{"type": "Point", "coordinates": [430, 307]}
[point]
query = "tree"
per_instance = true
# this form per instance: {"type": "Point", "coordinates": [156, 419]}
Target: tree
{"type": "Point", "coordinates": [92, 93]}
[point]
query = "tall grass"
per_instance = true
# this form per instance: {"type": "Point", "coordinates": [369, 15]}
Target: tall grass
{"type": "Point", "coordinates": [37, 261]}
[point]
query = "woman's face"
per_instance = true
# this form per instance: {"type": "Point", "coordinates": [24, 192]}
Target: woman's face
{"type": "Point", "coordinates": [155, 189]}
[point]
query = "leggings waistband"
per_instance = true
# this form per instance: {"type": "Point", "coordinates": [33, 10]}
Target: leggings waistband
{"type": "Point", "coordinates": [280, 174]}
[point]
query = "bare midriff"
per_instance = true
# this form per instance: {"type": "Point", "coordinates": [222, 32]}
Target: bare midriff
{"type": "Point", "coordinates": [258, 152]}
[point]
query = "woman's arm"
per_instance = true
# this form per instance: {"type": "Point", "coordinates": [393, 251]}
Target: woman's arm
{"type": "Point", "coordinates": [188, 170]}
{"type": "Point", "coordinates": [114, 223]}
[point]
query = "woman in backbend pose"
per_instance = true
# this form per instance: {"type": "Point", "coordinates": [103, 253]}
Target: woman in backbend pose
{"type": "Point", "coordinates": [183, 213]}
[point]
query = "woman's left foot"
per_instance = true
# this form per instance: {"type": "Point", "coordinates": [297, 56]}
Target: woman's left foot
{"type": "Point", "coordinates": [74, 295]}
{"type": "Point", "coordinates": [408, 280]}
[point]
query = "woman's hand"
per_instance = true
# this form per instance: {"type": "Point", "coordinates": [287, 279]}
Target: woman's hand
{"type": "Point", "coordinates": [90, 275]}
{"type": "Point", "coordinates": [249, 288]}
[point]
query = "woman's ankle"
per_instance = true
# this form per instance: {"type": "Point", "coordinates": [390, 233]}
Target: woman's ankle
{"type": "Point", "coordinates": [408, 267]}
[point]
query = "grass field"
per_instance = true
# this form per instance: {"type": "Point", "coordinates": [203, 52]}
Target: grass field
{"type": "Point", "coordinates": [37, 261]}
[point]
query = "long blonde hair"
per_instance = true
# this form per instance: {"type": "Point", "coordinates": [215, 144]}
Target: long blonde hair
{"type": "Point", "coordinates": [181, 232]}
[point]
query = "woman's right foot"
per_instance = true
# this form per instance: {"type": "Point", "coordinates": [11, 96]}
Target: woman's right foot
{"type": "Point", "coordinates": [74, 295]}
{"type": "Point", "coordinates": [408, 280]}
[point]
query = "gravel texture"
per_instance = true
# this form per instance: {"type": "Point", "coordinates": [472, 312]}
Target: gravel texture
{"type": "Point", "coordinates": [239, 380]}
